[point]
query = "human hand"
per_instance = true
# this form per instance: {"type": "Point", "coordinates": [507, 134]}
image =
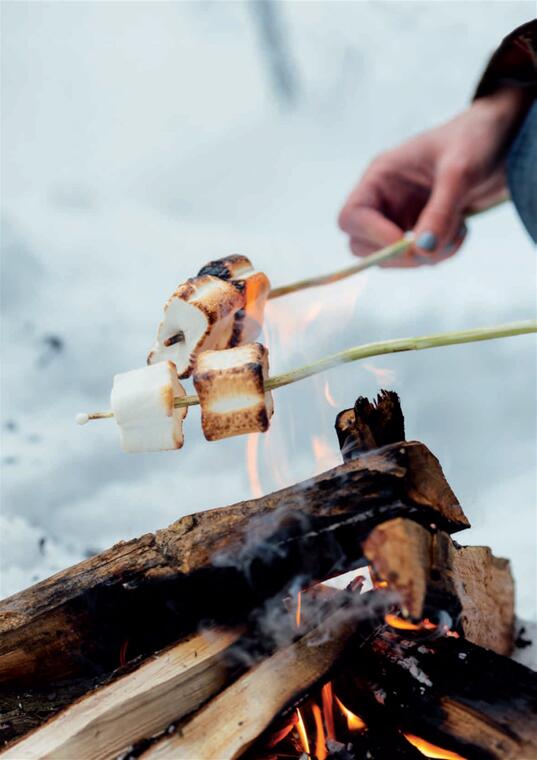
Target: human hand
{"type": "Point", "coordinates": [430, 183]}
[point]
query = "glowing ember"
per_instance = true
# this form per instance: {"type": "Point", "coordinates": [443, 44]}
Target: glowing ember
{"type": "Point", "coordinates": [301, 728]}
{"type": "Point", "coordinates": [431, 750]}
{"type": "Point", "coordinates": [354, 722]}
{"type": "Point", "coordinates": [406, 625]}
{"type": "Point", "coordinates": [251, 459]}
{"type": "Point", "coordinates": [320, 740]}
{"type": "Point", "coordinates": [328, 396]}
{"type": "Point", "coordinates": [328, 710]}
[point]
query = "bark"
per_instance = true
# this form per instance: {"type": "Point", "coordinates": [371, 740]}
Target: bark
{"type": "Point", "coordinates": [216, 565]}
{"type": "Point", "coordinates": [106, 722]}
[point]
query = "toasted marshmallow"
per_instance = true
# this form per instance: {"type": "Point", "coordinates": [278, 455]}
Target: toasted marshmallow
{"type": "Point", "coordinates": [230, 386]}
{"type": "Point", "coordinates": [228, 268]}
{"type": "Point", "coordinates": [143, 404]}
{"type": "Point", "coordinates": [198, 316]}
{"type": "Point", "coordinates": [255, 286]}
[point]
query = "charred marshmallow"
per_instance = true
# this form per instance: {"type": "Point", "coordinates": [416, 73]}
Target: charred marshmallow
{"type": "Point", "coordinates": [143, 404]}
{"type": "Point", "coordinates": [198, 316]}
{"type": "Point", "coordinates": [255, 287]}
{"type": "Point", "coordinates": [230, 386]}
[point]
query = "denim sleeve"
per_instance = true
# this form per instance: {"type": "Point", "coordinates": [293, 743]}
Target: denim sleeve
{"type": "Point", "coordinates": [522, 172]}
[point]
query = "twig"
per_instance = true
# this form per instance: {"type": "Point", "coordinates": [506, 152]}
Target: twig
{"type": "Point", "coordinates": [362, 352]}
{"type": "Point", "coordinates": [378, 257]}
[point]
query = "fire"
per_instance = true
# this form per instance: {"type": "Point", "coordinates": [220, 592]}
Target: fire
{"type": "Point", "coordinates": [251, 459]}
{"type": "Point", "coordinates": [406, 625]}
{"type": "Point", "coordinates": [328, 396]}
{"type": "Point", "coordinates": [325, 455]}
{"type": "Point", "coordinates": [431, 750]}
{"type": "Point", "coordinates": [383, 376]}
{"type": "Point", "coordinates": [320, 739]}
{"type": "Point", "coordinates": [301, 728]}
{"type": "Point", "coordinates": [354, 722]}
{"type": "Point", "coordinates": [298, 609]}
{"type": "Point", "coordinates": [328, 710]}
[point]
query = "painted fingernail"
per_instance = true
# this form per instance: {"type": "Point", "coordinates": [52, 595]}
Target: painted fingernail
{"type": "Point", "coordinates": [463, 229]}
{"type": "Point", "coordinates": [449, 248]}
{"type": "Point", "coordinates": [427, 241]}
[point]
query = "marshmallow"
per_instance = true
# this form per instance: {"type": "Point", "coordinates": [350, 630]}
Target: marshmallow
{"type": "Point", "coordinates": [143, 404]}
{"type": "Point", "coordinates": [230, 386]}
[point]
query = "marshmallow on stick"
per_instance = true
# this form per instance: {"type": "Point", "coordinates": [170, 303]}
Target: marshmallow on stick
{"type": "Point", "coordinates": [198, 316]}
{"type": "Point", "coordinates": [255, 287]}
{"type": "Point", "coordinates": [143, 404]}
{"type": "Point", "coordinates": [230, 386]}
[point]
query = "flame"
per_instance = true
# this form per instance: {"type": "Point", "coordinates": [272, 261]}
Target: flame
{"type": "Point", "coordinates": [406, 625]}
{"type": "Point", "coordinates": [301, 728]}
{"type": "Point", "coordinates": [354, 722]}
{"type": "Point", "coordinates": [298, 609]}
{"type": "Point", "coordinates": [252, 445]}
{"type": "Point", "coordinates": [383, 376]}
{"type": "Point", "coordinates": [280, 735]}
{"type": "Point", "coordinates": [328, 710]}
{"type": "Point", "coordinates": [328, 395]}
{"type": "Point", "coordinates": [431, 750]}
{"type": "Point", "coordinates": [320, 739]}
{"type": "Point", "coordinates": [325, 455]}
{"type": "Point", "coordinates": [123, 652]}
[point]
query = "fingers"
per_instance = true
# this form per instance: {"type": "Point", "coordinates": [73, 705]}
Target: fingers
{"type": "Point", "coordinates": [440, 222]}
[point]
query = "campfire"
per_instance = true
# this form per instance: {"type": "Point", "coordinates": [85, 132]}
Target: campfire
{"type": "Point", "coordinates": [335, 619]}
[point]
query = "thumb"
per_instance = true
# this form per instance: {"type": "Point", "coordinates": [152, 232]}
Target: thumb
{"type": "Point", "coordinates": [441, 218]}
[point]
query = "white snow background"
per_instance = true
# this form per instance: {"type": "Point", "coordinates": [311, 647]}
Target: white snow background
{"type": "Point", "coordinates": [141, 140]}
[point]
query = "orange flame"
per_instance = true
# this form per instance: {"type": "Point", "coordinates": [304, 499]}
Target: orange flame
{"type": "Point", "coordinates": [431, 750]}
{"type": "Point", "coordinates": [354, 722]}
{"type": "Point", "coordinates": [320, 739]}
{"type": "Point", "coordinates": [328, 710]}
{"type": "Point", "coordinates": [328, 395]}
{"type": "Point", "coordinates": [301, 728]}
{"type": "Point", "coordinates": [406, 625]}
{"type": "Point", "coordinates": [383, 376]}
{"type": "Point", "coordinates": [298, 609]}
{"type": "Point", "coordinates": [251, 459]}
{"type": "Point", "coordinates": [280, 735]}
{"type": "Point", "coordinates": [325, 455]}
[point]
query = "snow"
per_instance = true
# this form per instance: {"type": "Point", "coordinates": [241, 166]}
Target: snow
{"type": "Point", "coordinates": [141, 140]}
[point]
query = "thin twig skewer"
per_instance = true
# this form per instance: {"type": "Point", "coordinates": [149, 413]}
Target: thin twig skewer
{"type": "Point", "coordinates": [378, 257]}
{"type": "Point", "coordinates": [365, 351]}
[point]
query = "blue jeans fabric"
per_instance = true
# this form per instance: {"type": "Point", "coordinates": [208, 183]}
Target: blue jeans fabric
{"type": "Point", "coordinates": [522, 172]}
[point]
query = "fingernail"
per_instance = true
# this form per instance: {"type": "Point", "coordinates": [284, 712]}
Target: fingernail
{"type": "Point", "coordinates": [463, 229]}
{"type": "Point", "coordinates": [427, 241]}
{"type": "Point", "coordinates": [449, 247]}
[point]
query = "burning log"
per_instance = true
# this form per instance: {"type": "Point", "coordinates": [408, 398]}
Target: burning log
{"type": "Point", "coordinates": [469, 582]}
{"type": "Point", "coordinates": [452, 693]}
{"type": "Point", "coordinates": [139, 704]}
{"type": "Point", "coordinates": [216, 564]}
{"type": "Point", "coordinates": [231, 722]}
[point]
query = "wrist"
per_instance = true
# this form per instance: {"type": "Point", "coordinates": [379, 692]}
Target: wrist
{"type": "Point", "coordinates": [507, 106]}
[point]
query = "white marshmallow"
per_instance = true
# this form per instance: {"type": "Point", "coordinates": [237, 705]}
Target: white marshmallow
{"type": "Point", "coordinates": [143, 404]}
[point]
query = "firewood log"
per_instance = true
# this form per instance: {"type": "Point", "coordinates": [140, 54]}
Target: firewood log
{"type": "Point", "coordinates": [217, 564]}
{"type": "Point", "coordinates": [469, 582]}
{"type": "Point", "coordinates": [139, 704]}
{"type": "Point", "coordinates": [370, 425]}
{"type": "Point", "coordinates": [448, 691]}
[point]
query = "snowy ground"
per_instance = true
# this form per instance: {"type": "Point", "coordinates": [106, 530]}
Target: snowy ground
{"type": "Point", "coordinates": [140, 140]}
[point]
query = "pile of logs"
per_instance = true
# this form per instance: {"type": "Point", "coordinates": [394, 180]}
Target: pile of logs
{"type": "Point", "coordinates": [195, 642]}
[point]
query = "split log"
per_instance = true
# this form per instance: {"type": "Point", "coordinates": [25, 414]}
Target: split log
{"type": "Point", "coordinates": [165, 688]}
{"type": "Point", "coordinates": [154, 589]}
{"type": "Point", "coordinates": [231, 722]}
{"type": "Point", "coordinates": [469, 582]}
{"type": "Point", "coordinates": [449, 691]}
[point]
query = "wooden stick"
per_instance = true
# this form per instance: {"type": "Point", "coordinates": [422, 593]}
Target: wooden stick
{"type": "Point", "coordinates": [387, 253]}
{"type": "Point", "coordinates": [362, 352]}
{"type": "Point", "coordinates": [378, 257]}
